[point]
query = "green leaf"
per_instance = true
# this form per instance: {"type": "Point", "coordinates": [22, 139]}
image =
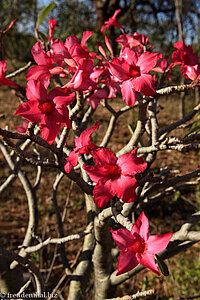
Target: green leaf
{"type": "Point", "coordinates": [162, 266]}
{"type": "Point", "coordinates": [46, 10]}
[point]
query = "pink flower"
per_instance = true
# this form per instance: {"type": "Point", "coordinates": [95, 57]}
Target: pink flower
{"type": "Point", "coordinates": [135, 42]}
{"type": "Point", "coordinates": [164, 67]}
{"type": "Point", "coordinates": [52, 25]}
{"type": "Point", "coordinates": [138, 247]}
{"type": "Point", "coordinates": [96, 97]}
{"type": "Point", "coordinates": [132, 70]}
{"type": "Point", "coordinates": [45, 68]}
{"type": "Point", "coordinates": [49, 110]}
{"type": "Point", "coordinates": [112, 21]}
{"type": "Point", "coordinates": [83, 145]}
{"type": "Point", "coordinates": [191, 72]}
{"type": "Point", "coordinates": [184, 54]}
{"type": "Point", "coordinates": [82, 79]}
{"type": "Point", "coordinates": [114, 176]}
{"type": "Point", "coordinates": [23, 128]}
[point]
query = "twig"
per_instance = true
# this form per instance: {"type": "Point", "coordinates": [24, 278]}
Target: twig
{"type": "Point", "coordinates": [174, 125]}
{"type": "Point", "coordinates": [20, 70]}
{"type": "Point", "coordinates": [170, 182]}
{"type": "Point", "coordinates": [59, 222]}
{"type": "Point", "coordinates": [140, 128]}
{"type": "Point", "coordinates": [174, 89]}
{"type": "Point", "coordinates": [125, 222]}
{"type": "Point", "coordinates": [32, 204]}
{"type": "Point", "coordinates": [24, 287]}
{"type": "Point", "coordinates": [7, 182]}
{"type": "Point", "coordinates": [79, 105]}
{"type": "Point", "coordinates": [28, 157]}
{"type": "Point", "coordinates": [34, 138]}
{"type": "Point", "coordinates": [184, 234]}
{"type": "Point", "coordinates": [27, 264]}
{"type": "Point", "coordinates": [109, 131]}
{"type": "Point", "coordinates": [135, 296]}
{"type": "Point", "coordinates": [168, 191]}
{"type": "Point", "coordinates": [82, 272]}
{"type": "Point", "coordinates": [57, 241]}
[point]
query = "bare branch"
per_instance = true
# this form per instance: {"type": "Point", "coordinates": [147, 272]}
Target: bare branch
{"type": "Point", "coordinates": [32, 224]}
{"type": "Point", "coordinates": [59, 222]}
{"type": "Point", "coordinates": [109, 131]}
{"type": "Point", "coordinates": [174, 125]}
{"type": "Point", "coordinates": [20, 70]}
{"type": "Point", "coordinates": [174, 89]}
{"type": "Point", "coordinates": [140, 128]}
{"type": "Point", "coordinates": [170, 182]}
{"type": "Point", "coordinates": [27, 264]}
{"type": "Point", "coordinates": [7, 182]}
{"type": "Point", "coordinates": [58, 241]}
{"type": "Point", "coordinates": [135, 296]}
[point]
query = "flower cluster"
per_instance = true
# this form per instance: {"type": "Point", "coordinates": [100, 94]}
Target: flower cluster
{"type": "Point", "coordinates": [97, 76]}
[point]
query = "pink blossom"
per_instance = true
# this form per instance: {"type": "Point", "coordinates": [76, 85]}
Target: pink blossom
{"type": "Point", "coordinates": [82, 79]}
{"type": "Point", "coordinates": [45, 68]}
{"type": "Point", "coordinates": [135, 42]}
{"type": "Point", "coordinates": [60, 49]}
{"type": "Point", "coordinates": [49, 110]}
{"type": "Point", "coordinates": [132, 70]}
{"type": "Point", "coordinates": [191, 72]}
{"type": "Point", "coordinates": [52, 25]}
{"type": "Point", "coordinates": [184, 54]}
{"type": "Point", "coordinates": [164, 67]}
{"type": "Point", "coordinates": [83, 145]}
{"type": "Point", "coordinates": [138, 247]}
{"type": "Point", "coordinates": [112, 21]}
{"type": "Point", "coordinates": [114, 176]}
{"type": "Point", "coordinates": [96, 97]}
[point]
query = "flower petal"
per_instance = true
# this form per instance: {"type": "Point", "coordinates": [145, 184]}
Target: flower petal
{"type": "Point", "coordinates": [128, 93]}
{"type": "Point", "coordinates": [124, 187]}
{"type": "Point", "coordinates": [30, 111]}
{"type": "Point", "coordinates": [141, 227]}
{"type": "Point", "coordinates": [39, 54]}
{"type": "Point", "coordinates": [85, 137]}
{"type": "Point", "coordinates": [126, 262]}
{"type": "Point", "coordinates": [131, 164]}
{"type": "Point", "coordinates": [148, 261]}
{"type": "Point", "coordinates": [147, 61]}
{"type": "Point", "coordinates": [97, 172]}
{"type": "Point", "coordinates": [39, 73]}
{"type": "Point", "coordinates": [102, 193]}
{"type": "Point", "coordinates": [144, 84]}
{"type": "Point", "coordinates": [120, 68]}
{"type": "Point", "coordinates": [157, 243]}
{"type": "Point", "coordinates": [122, 237]}
{"type": "Point", "coordinates": [36, 91]}
{"type": "Point", "coordinates": [49, 129]}
{"type": "Point", "coordinates": [105, 156]}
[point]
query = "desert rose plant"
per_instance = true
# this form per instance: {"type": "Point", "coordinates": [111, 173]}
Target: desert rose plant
{"type": "Point", "coordinates": [65, 88]}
